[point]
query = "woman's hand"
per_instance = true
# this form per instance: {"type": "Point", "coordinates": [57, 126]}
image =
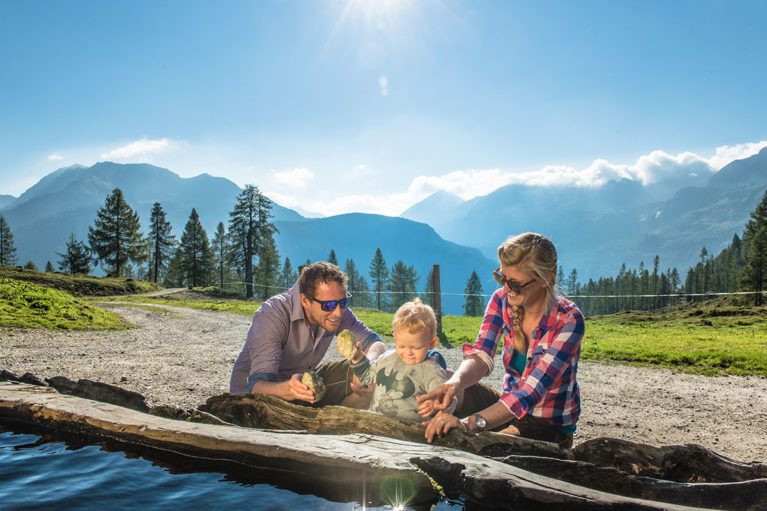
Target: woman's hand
{"type": "Point", "coordinates": [440, 425]}
{"type": "Point", "coordinates": [438, 399]}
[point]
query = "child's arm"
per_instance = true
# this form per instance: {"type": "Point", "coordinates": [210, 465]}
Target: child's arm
{"type": "Point", "coordinates": [434, 377]}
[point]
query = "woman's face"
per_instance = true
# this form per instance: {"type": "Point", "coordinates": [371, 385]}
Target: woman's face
{"type": "Point", "coordinates": [520, 287]}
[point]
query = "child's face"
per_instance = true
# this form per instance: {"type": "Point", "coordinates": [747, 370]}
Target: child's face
{"type": "Point", "coordinates": [412, 348]}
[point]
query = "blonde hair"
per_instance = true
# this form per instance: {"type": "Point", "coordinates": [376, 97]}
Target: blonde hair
{"type": "Point", "coordinates": [414, 317]}
{"type": "Point", "coordinates": [535, 255]}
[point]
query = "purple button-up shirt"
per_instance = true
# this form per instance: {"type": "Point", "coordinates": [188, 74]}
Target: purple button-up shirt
{"type": "Point", "coordinates": [281, 342]}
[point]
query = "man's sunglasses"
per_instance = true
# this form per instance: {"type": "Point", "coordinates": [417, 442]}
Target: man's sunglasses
{"type": "Point", "coordinates": [514, 286]}
{"type": "Point", "coordinates": [330, 305]}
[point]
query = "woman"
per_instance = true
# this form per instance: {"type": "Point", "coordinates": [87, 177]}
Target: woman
{"type": "Point", "coordinates": [541, 332]}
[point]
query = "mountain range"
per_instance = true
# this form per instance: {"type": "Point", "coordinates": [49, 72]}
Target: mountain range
{"type": "Point", "coordinates": [66, 201]}
{"type": "Point", "coordinates": [597, 229]}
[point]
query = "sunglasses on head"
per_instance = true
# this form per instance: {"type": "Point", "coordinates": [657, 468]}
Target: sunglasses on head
{"type": "Point", "coordinates": [514, 285]}
{"type": "Point", "coordinates": [330, 305]}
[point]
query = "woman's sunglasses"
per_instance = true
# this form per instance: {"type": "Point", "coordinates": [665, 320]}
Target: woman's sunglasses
{"type": "Point", "coordinates": [514, 285]}
{"type": "Point", "coordinates": [330, 305]}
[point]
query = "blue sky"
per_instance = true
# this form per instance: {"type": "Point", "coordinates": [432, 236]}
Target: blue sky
{"type": "Point", "coordinates": [370, 105]}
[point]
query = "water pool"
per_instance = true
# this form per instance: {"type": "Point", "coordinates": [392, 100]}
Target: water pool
{"type": "Point", "coordinates": [41, 472]}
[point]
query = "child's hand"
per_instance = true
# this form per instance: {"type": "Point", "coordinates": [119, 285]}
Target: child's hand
{"type": "Point", "coordinates": [426, 408]}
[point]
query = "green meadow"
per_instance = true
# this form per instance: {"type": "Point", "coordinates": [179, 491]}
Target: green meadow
{"type": "Point", "coordinates": [29, 305]}
{"type": "Point", "coordinates": [711, 339]}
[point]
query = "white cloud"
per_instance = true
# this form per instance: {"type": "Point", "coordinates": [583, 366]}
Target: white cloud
{"type": "Point", "coordinates": [655, 167]}
{"type": "Point", "coordinates": [295, 178]}
{"type": "Point", "coordinates": [726, 154]}
{"type": "Point", "coordinates": [140, 150]}
{"type": "Point", "coordinates": [383, 85]}
{"type": "Point", "coordinates": [283, 199]}
{"type": "Point", "coordinates": [55, 157]}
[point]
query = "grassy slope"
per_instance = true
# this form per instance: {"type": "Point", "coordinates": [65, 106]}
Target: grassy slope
{"type": "Point", "coordinates": [712, 338]}
{"type": "Point", "coordinates": [79, 285]}
{"type": "Point", "coordinates": [29, 305]}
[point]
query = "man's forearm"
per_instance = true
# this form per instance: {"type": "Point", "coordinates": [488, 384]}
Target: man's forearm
{"type": "Point", "coordinates": [278, 389]}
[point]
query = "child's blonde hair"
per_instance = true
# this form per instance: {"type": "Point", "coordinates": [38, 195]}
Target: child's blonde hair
{"type": "Point", "coordinates": [414, 317]}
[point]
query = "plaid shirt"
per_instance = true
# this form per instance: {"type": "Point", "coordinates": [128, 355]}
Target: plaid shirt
{"type": "Point", "coordinates": [547, 388]}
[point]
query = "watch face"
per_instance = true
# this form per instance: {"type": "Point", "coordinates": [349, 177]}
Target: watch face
{"type": "Point", "coordinates": [480, 422]}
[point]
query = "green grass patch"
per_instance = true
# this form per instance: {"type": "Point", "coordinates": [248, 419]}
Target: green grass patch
{"type": "Point", "coordinates": [80, 285]}
{"type": "Point", "coordinates": [29, 305]}
{"type": "Point", "coordinates": [710, 339]}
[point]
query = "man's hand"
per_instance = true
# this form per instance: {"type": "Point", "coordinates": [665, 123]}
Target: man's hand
{"type": "Point", "coordinates": [297, 391]}
{"type": "Point", "coordinates": [438, 399]}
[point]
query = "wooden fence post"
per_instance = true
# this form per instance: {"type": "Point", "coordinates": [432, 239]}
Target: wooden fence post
{"type": "Point", "coordinates": [437, 303]}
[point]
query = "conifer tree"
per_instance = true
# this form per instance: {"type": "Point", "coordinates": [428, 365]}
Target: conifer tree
{"type": "Point", "coordinates": [572, 283]}
{"type": "Point", "coordinates": [161, 242]}
{"type": "Point", "coordinates": [267, 269]}
{"type": "Point", "coordinates": [49, 267]}
{"type": "Point", "coordinates": [219, 248]}
{"type": "Point", "coordinates": [755, 241]}
{"type": "Point", "coordinates": [288, 276]}
{"type": "Point", "coordinates": [76, 258]}
{"type": "Point", "coordinates": [7, 248]}
{"type": "Point", "coordinates": [332, 259]}
{"type": "Point", "coordinates": [115, 238]}
{"type": "Point", "coordinates": [30, 265]}
{"type": "Point", "coordinates": [402, 284]}
{"type": "Point", "coordinates": [196, 254]}
{"type": "Point", "coordinates": [250, 229]}
{"type": "Point", "coordinates": [379, 276]}
{"type": "Point", "coordinates": [474, 304]}
{"type": "Point", "coordinates": [350, 268]}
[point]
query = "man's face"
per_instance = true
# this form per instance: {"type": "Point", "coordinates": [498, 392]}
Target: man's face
{"type": "Point", "coordinates": [329, 321]}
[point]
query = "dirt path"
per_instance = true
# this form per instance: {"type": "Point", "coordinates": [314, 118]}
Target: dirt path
{"type": "Point", "coordinates": [182, 356]}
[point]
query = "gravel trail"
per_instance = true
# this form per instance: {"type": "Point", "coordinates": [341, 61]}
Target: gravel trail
{"type": "Point", "coordinates": [182, 356]}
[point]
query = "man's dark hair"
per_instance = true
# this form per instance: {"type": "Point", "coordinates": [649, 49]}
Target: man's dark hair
{"type": "Point", "coordinates": [322, 271]}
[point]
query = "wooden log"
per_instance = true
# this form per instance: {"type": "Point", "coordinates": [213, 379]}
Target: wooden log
{"type": "Point", "coordinates": [682, 463]}
{"type": "Point", "coordinates": [751, 495]}
{"type": "Point", "coordinates": [261, 411]}
{"type": "Point", "coordinates": [356, 458]}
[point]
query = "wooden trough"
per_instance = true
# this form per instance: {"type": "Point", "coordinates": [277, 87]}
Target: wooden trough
{"type": "Point", "coordinates": [489, 469]}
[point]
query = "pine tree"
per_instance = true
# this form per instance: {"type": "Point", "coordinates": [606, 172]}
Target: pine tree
{"type": "Point", "coordinates": [363, 298]}
{"type": "Point", "coordinates": [352, 274]}
{"type": "Point", "coordinates": [7, 248]}
{"type": "Point", "coordinates": [402, 284]}
{"type": "Point", "coordinates": [332, 259]}
{"type": "Point", "coordinates": [572, 283]}
{"type": "Point", "coordinates": [115, 238]}
{"type": "Point", "coordinates": [161, 242]}
{"type": "Point", "coordinates": [474, 304]}
{"type": "Point", "coordinates": [196, 254]}
{"type": "Point", "coordinates": [288, 276]}
{"type": "Point", "coordinates": [755, 241]}
{"type": "Point", "coordinates": [30, 265]}
{"type": "Point", "coordinates": [76, 258]}
{"type": "Point", "coordinates": [49, 267]}
{"type": "Point", "coordinates": [267, 269]}
{"type": "Point", "coordinates": [219, 248]}
{"type": "Point", "coordinates": [250, 227]}
{"type": "Point", "coordinates": [379, 275]}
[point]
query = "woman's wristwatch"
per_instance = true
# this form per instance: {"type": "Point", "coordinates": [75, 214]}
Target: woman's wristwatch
{"type": "Point", "coordinates": [480, 424]}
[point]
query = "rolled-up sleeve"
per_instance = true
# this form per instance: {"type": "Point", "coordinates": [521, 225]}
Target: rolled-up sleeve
{"type": "Point", "coordinates": [267, 333]}
{"type": "Point", "coordinates": [489, 332]}
{"type": "Point", "coordinates": [546, 374]}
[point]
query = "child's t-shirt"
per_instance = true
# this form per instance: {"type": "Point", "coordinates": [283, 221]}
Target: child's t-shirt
{"type": "Point", "coordinates": [397, 384]}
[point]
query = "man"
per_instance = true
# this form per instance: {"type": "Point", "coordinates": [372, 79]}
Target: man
{"type": "Point", "coordinates": [290, 334]}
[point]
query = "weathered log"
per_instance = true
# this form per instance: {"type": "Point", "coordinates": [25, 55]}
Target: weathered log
{"type": "Point", "coordinates": [682, 463]}
{"type": "Point", "coordinates": [261, 411]}
{"type": "Point", "coordinates": [356, 459]}
{"type": "Point", "coordinates": [750, 495]}
{"type": "Point", "coordinates": [99, 391]}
